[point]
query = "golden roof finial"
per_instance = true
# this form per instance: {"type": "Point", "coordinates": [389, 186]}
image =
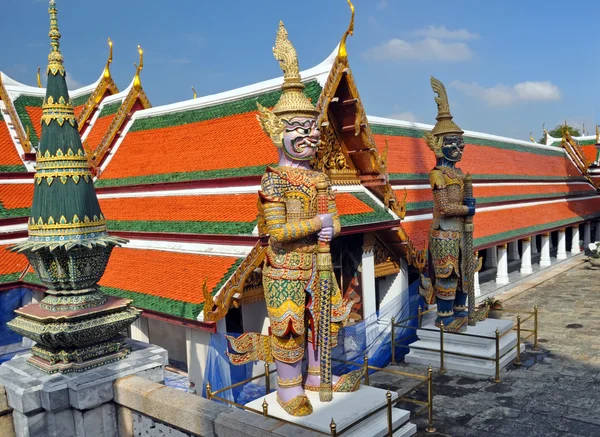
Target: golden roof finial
{"type": "Point", "coordinates": [138, 68]}
{"type": "Point", "coordinates": [106, 73]}
{"type": "Point", "coordinates": [39, 79]}
{"type": "Point", "coordinates": [342, 53]}
{"type": "Point", "coordinates": [531, 137]}
{"type": "Point", "coordinates": [597, 134]}
{"type": "Point", "coordinates": [546, 134]}
{"type": "Point", "coordinates": [194, 90]}
{"type": "Point", "coordinates": [55, 58]}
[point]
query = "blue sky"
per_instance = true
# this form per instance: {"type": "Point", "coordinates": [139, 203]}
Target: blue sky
{"type": "Point", "coordinates": [508, 66]}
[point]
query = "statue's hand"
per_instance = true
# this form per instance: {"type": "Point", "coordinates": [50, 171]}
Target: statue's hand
{"type": "Point", "coordinates": [326, 220]}
{"type": "Point", "coordinates": [326, 234]}
{"type": "Point", "coordinates": [470, 202]}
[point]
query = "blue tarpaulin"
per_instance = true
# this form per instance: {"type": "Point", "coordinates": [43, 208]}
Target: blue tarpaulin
{"type": "Point", "coordinates": [9, 301]}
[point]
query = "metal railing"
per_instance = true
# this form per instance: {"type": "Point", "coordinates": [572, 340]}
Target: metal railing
{"type": "Point", "coordinates": [496, 338]}
{"type": "Point", "coordinates": [333, 431]}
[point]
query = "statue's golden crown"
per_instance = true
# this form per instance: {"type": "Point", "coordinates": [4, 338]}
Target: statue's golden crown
{"type": "Point", "coordinates": [444, 125]}
{"type": "Point", "coordinates": [293, 102]}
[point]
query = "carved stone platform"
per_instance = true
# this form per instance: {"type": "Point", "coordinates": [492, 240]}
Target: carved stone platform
{"type": "Point", "coordinates": [345, 408]}
{"type": "Point", "coordinates": [429, 347]}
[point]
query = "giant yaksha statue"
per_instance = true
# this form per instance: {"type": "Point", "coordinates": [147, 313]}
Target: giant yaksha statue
{"type": "Point", "coordinates": [303, 300]}
{"type": "Point", "coordinates": [449, 276]}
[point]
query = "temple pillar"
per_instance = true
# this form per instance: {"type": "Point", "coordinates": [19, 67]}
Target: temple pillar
{"type": "Point", "coordinates": [526, 257]}
{"type": "Point", "coordinates": [513, 250]}
{"type": "Point", "coordinates": [562, 244]}
{"type": "Point", "coordinates": [502, 271]}
{"type": "Point", "coordinates": [575, 248]}
{"type": "Point", "coordinates": [534, 245]}
{"type": "Point", "coordinates": [369, 296]}
{"type": "Point", "coordinates": [491, 259]}
{"type": "Point", "coordinates": [545, 255]}
{"type": "Point", "coordinates": [587, 234]}
{"type": "Point", "coordinates": [139, 330]}
{"type": "Point", "coordinates": [597, 237]}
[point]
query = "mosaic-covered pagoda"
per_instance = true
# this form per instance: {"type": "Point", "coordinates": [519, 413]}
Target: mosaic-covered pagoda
{"type": "Point", "coordinates": [75, 326]}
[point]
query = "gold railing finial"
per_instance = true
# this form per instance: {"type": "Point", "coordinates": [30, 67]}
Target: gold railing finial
{"type": "Point", "coordinates": [106, 73]}
{"type": "Point", "coordinates": [138, 68]}
{"type": "Point", "coordinates": [342, 53]}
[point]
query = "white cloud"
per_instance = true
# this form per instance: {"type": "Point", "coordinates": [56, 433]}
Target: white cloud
{"type": "Point", "coordinates": [72, 83]}
{"type": "Point", "coordinates": [383, 4]}
{"type": "Point", "coordinates": [505, 95]}
{"type": "Point", "coordinates": [405, 116]}
{"type": "Point", "coordinates": [428, 49]}
{"type": "Point", "coordinates": [442, 32]}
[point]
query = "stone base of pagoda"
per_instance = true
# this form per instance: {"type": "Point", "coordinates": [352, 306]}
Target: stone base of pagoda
{"type": "Point", "coordinates": [75, 340]}
{"type": "Point", "coordinates": [76, 404]}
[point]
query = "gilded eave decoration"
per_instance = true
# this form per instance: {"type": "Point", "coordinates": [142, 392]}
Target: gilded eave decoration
{"type": "Point", "coordinates": [22, 136]}
{"type": "Point", "coordinates": [245, 278]}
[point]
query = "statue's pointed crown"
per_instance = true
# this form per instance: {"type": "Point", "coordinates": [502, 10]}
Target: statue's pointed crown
{"type": "Point", "coordinates": [444, 124]}
{"type": "Point", "coordinates": [293, 102]}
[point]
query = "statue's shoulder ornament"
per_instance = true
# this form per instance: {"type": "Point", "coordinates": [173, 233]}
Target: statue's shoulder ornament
{"type": "Point", "coordinates": [442, 176]}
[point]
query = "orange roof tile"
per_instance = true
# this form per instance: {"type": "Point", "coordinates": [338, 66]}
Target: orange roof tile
{"type": "Point", "coordinates": [222, 143]}
{"type": "Point", "coordinates": [8, 152]}
{"type": "Point", "coordinates": [170, 275]}
{"type": "Point", "coordinates": [98, 130]}
{"type": "Point", "coordinates": [16, 195]}
{"type": "Point", "coordinates": [35, 115]}
{"type": "Point", "coordinates": [11, 262]}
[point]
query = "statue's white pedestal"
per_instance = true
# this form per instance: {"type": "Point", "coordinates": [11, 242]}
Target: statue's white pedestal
{"type": "Point", "coordinates": [429, 347]}
{"type": "Point", "coordinates": [345, 408]}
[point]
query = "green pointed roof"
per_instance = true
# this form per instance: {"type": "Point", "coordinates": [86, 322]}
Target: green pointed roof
{"type": "Point", "coordinates": [65, 211]}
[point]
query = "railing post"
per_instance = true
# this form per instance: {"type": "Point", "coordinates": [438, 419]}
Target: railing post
{"type": "Point", "coordinates": [518, 360]}
{"type": "Point", "coordinates": [388, 395]}
{"type": "Point", "coordinates": [267, 378]}
{"type": "Point", "coordinates": [208, 391]}
{"type": "Point", "coordinates": [366, 367]}
{"type": "Point", "coordinates": [265, 408]}
{"type": "Point", "coordinates": [535, 328]}
{"type": "Point", "coordinates": [430, 428]}
{"type": "Point", "coordinates": [497, 356]}
{"type": "Point", "coordinates": [393, 341]}
{"type": "Point", "coordinates": [442, 368]}
{"type": "Point", "coordinates": [333, 428]}
{"type": "Point", "coordinates": [419, 316]}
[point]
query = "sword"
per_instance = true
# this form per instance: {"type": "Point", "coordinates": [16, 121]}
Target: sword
{"type": "Point", "coordinates": [324, 267]}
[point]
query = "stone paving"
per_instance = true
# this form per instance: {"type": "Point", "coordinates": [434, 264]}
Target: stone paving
{"type": "Point", "coordinates": [556, 392]}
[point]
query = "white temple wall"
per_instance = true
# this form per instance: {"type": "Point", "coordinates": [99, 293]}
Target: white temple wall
{"type": "Point", "coordinates": [170, 337]}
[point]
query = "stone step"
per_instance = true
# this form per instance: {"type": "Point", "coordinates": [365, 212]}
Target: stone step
{"type": "Point", "coordinates": [487, 328]}
{"type": "Point", "coordinates": [407, 430]}
{"type": "Point", "coordinates": [377, 425]}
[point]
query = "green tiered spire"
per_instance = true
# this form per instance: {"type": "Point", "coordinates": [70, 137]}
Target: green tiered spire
{"type": "Point", "coordinates": [76, 326]}
{"type": "Point", "coordinates": [65, 211]}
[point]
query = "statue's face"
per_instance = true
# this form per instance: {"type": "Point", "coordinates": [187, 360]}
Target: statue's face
{"type": "Point", "coordinates": [453, 147]}
{"type": "Point", "coordinates": [301, 138]}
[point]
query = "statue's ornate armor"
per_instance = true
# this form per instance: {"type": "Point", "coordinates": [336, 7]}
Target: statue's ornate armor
{"type": "Point", "coordinates": [289, 201]}
{"type": "Point", "coordinates": [447, 229]}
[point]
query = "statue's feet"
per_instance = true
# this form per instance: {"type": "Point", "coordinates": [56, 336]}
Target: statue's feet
{"type": "Point", "coordinates": [452, 324]}
{"type": "Point", "coordinates": [340, 384]}
{"type": "Point", "coordinates": [296, 406]}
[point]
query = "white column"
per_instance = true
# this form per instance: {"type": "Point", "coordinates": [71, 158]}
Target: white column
{"type": "Point", "coordinates": [534, 246]}
{"type": "Point", "coordinates": [575, 240]}
{"type": "Point", "coordinates": [491, 259]}
{"type": "Point", "coordinates": [561, 253]}
{"type": "Point", "coordinates": [587, 234]}
{"type": "Point", "coordinates": [368, 280]}
{"type": "Point", "coordinates": [476, 284]}
{"type": "Point", "coordinates": [197, 342]}
{"type": "Point", "coordinates": [391, 289]}
{"type": "Point", "coordinates": [526, 258]}
{"type": "Point", "coordinates": [545, 257]}
{"type": "Point", "coordinates": [502, 272]}
{"type": "Point", "coordinates": [513, 250]}
{"type": "Point", "coordinates": [139, 330]}
{"type": "Point", "coordinates": [597, 237]}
